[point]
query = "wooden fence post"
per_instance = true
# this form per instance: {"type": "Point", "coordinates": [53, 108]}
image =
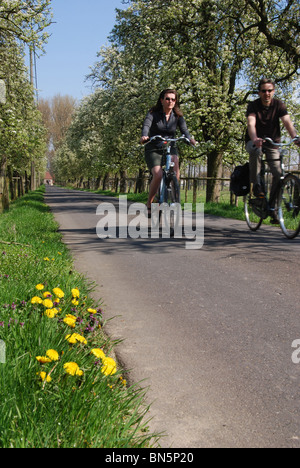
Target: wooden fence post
{"type": "Point", "coordinates": [4, 183]}
{"type": "Point", "coordinates": [186, 191]}
{"type": "Point", "coordinates": [195, 186]}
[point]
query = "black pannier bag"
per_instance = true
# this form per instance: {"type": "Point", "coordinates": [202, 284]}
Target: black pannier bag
{"type": "Point", "coordinates": [240, 181]}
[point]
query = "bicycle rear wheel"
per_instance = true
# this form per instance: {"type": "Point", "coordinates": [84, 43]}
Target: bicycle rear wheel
{"type": "Point", "coordinates": [289, 206]}
{"type": "Point", "coordinates": [253, 213]}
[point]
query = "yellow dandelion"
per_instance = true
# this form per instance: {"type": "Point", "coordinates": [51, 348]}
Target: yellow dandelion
{"type": "Point", "coordinates": [75, 292]}
{"type": "Point", "coordinates": [36, 300]}
{"type": "Point", "coordinates": [92, 311]}
{"type": "Point", "coordinates": [39, 287]}
{"type": "Point", "coordinates": [44, 376]}
{"type": "Point", "coordinates": [76, 338]}
{"type": "Point", "coordinates": [47, 259]}
{"type": "Point", "coordinates": [75, 302]}
{"type": "Point", "coordinates": [71, 338]}
{"type": "Point", "coordinates": [51, 313]}
{"type": "Point", "coordinates": [43, 359]}
{"type": "Point", "coordinates": [48, 303]}
{"type": "Point", "coordinates": [47, 294]}
{"type": "Point", "coordinates": [98, 353]}
{"type": "Point", "coordinates": [70, 320]}
{"type": "Point", "coordinates": [72, 368]}
{"type": "Point", "coordinates": [52, 354]}
{"type": "Point", "coordinates": [123, 381]}
{"type": "Point", "coordinates": [58, 293]}
{"type": "Point", "coordinates": [109, 366]}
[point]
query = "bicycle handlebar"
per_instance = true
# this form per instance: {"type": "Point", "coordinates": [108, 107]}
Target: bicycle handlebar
{"type": "Point", "coordinates": [169, 140]}
{"type": "Point", "coordinates": [269, 140]}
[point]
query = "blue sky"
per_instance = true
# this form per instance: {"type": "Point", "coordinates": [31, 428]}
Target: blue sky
{"type": "Point", "coordinates": [81, 27]}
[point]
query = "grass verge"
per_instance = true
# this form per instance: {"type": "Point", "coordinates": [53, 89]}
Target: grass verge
{"type": "Point", "coordinates": [59, 386]}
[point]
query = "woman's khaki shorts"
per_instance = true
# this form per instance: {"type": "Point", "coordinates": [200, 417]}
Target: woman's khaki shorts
{"type": "Point", "coordinates": [154, 157]}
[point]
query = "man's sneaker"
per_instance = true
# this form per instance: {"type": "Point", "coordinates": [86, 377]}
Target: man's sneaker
{"type": "Point", "coordinates": [274, 217]}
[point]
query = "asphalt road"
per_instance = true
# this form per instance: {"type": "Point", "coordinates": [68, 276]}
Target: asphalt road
{"type": "Point", "coordinates": [209, 331]}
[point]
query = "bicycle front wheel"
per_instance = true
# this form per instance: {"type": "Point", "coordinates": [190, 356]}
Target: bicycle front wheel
{"type": "Point", "coordinates": [253, 215]}
{"type": "Point", "coordinates": [289, 206]}
{"type": "Point", "coordinates": [173, 191]}
{"type": "Point", "coordinates": [172, 211]}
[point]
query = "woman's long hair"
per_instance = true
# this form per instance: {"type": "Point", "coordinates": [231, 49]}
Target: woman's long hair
{"type": "Point", "coordinates": [159, 107]}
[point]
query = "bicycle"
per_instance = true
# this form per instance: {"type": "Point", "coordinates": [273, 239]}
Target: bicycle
{"type": "Point", "coordinates": [168, 196]}
{"type": "Point", "coordinates": [286, 199]}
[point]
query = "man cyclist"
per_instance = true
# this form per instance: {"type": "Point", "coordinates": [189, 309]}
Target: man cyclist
{"type": "Point", "coordinates": [263, 119]}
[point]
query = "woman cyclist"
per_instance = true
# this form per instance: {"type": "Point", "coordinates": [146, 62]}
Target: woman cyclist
{"type": "Point", "coordinates": [163, 119]}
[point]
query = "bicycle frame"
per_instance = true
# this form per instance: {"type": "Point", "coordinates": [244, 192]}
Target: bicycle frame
{"type": "Point", "coordinates": [280, 146]}
{"type": "Point", "coordinates": [169, 165]}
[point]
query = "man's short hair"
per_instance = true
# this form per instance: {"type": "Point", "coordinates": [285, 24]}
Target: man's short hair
{"type": "Point", "coordinates": [264, 81]}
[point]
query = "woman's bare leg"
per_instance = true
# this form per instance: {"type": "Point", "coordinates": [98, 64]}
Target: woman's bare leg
{"type": "Point", "coordinates": [155, 183]}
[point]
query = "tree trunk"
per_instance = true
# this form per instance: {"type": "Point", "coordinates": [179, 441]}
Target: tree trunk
{"type": "Point", "coordinates": [140, 182]}
{"type": "Point", "coordinates": [3, 185]}
{"type": "Point", "coordinates": [116, 184]}
{"type": "Point", "coordinates": [21, 186]}
{"type": "Point", "coordinates": [2, 175]}
{"type": "Point", "coordinates": [9, 174]}
{"type": "Point", "coordinates": [106, 182]}
{"type": "Point", "coordinates": [123, 182]}
{"type": "Point", "coordinates": [80, 182]}
{"type": "Point", "coordinates": [98, 183]}
{"type": "Point", "coordinates": [214, 170]}
{"type": "Point", "coordinates": [27, 182]}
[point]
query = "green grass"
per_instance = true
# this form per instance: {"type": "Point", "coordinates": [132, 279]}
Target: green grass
{"type": "Point", "coordinates": [93, 408]}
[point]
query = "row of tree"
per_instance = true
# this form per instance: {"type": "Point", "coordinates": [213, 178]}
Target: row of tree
{"type": "Point", "coordinates": [22, 134]}
{"type": "Point", "coordinates": [212, 51]}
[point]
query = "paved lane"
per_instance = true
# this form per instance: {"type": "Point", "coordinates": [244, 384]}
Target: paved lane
{"type": "Point", "coordinates": [209, 331]}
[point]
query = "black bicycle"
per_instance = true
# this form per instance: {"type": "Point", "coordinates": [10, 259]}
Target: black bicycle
{"type": "Point", "coordinates": [285, 202]}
